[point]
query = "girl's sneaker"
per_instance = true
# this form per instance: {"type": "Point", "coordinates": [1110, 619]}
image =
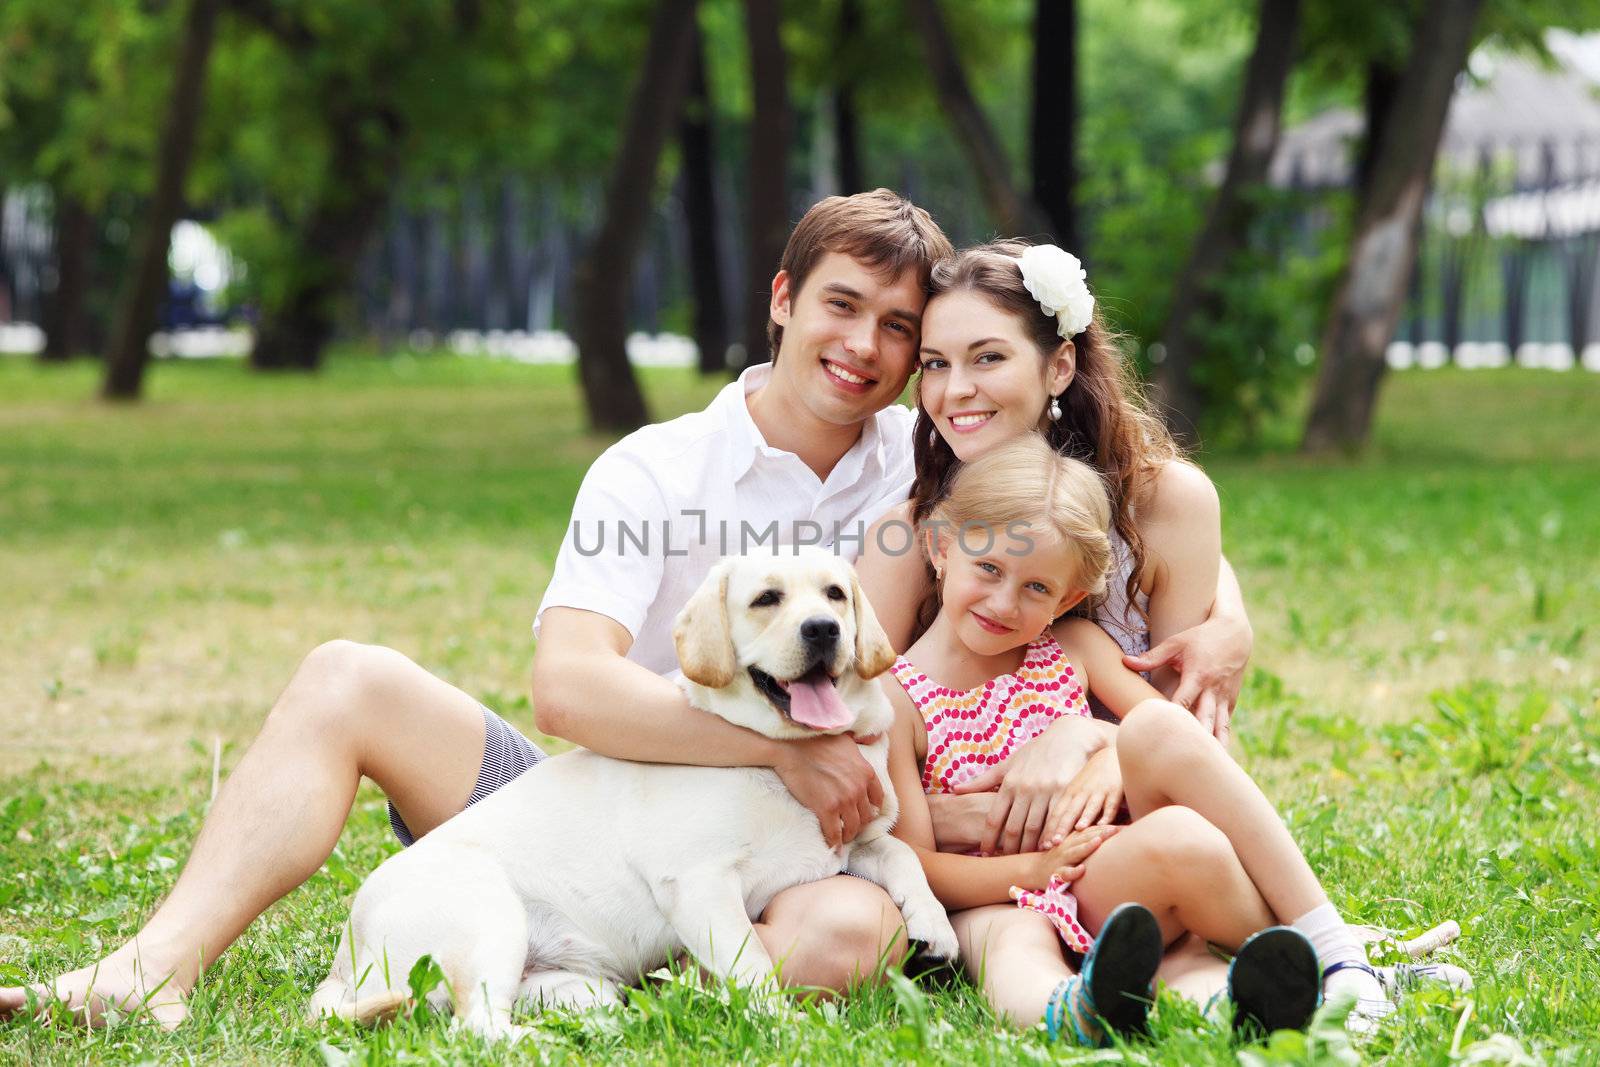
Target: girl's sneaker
{"type": "Point", "coordinates": [1402, 978]}
{"type": "Point", "coordinates": [1113, 991]}
{"type": "Point", "coordinates": [1274, 981]}
{"type": "Point", "coordinates": [1369, 1011]}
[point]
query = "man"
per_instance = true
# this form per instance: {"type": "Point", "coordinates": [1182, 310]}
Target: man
{"type": "Point", "coordinates": [802, 451]}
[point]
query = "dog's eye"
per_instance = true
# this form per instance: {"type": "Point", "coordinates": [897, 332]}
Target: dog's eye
{"type": "Point", "coordinates": [767, 599]}
{"type": "Point", "coordinates": [835, 593]}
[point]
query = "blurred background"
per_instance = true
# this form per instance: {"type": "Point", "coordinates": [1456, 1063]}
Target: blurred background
{"type": "Point", "coordinates": [1274, 200]}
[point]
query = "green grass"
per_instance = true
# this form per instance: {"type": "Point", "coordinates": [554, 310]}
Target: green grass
{"type": "Point", "coordinates": [1423, 702]}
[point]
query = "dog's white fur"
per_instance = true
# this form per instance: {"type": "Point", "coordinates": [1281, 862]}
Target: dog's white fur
{"type": "Point", "coordinates": [589, 871]}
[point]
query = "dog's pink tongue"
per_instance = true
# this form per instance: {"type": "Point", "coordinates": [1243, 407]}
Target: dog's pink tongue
{"type": "Point", "coordinates": [816, 704]}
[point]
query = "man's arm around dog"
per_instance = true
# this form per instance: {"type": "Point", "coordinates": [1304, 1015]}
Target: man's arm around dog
{"type": "Point", "coordinates": [587, 691]}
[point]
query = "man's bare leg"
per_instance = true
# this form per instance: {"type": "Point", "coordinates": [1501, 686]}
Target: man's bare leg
{"type": "Point", "coordinates": [350, 710]}
{"type": "Point", "coordinates": [832, 934]}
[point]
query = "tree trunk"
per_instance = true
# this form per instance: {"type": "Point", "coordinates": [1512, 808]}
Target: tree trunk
{"type": "Point", "coordinates": [6, 295]}
{"type": "Point", "coordinates": [1054, 126]}
{"type": "Point", "coordinates": [700, 216]}
{"type": "Point", "coordinates": [65, 327]}
{"type": "Point", "coordinates": [1580, 257]}
{"type": "Point", "coordinates": [519, 261]}
{"type": "Point", "coordinates": [601, 278]}
{"type": "Point", "coordinates": [769, 188]}
{"type": "Point", "coordinates": [1372, 289]}
{"type": "Point", "coordinates": [846, 124]}
{"type": "Point", "coordinates": [1013, 213]}
{"type": "Point", "coordinates": [1229, 219]}
{"type": "Point", "coordinates": [294, 333]}
{"type": "Point", "coordinates": [140, 299]}
{"type": "Point", "coordinates": [1377, 99]}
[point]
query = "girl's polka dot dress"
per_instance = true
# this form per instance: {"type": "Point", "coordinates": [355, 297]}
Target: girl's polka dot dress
{"type": "Point", "coordinates": [970, 731]}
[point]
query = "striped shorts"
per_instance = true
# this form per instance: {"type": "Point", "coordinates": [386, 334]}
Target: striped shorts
{"type": "Point", "coordinates": [506, 754]}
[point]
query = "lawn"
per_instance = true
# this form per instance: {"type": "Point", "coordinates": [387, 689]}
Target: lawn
{"type": "Point", "coordinates": [1424, 702]}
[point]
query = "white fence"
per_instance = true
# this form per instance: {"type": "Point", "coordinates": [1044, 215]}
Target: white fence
{"type": "Point", "coordinates": [543, 346]}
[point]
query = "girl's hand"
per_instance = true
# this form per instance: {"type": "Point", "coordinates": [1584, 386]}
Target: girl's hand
{"type": "Point", "coordinates": [1210, 659]}
{"type": "Point", "coordinates": [1029, 782]}
{"type": "Point", "coordinates": [1065, 861]}
{"type": "Point", "coordinates": [1094, 796]}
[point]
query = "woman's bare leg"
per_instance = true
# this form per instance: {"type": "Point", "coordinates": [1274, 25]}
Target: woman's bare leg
{"type": "Point", "coordinates": [832, 934]}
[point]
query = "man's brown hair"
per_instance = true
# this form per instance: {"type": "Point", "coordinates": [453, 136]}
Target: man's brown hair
{"type": "Point", "coordinates": [881, 229]}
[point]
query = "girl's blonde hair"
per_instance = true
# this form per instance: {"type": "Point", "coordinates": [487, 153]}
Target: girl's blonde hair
{"type": "Point", "coordinates": [1026, 483]}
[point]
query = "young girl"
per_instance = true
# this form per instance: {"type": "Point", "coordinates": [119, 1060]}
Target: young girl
{"type": "Point", "coordinates": [1019, 539]}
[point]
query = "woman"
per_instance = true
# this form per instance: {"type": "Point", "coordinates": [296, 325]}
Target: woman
{"type": "Point", "coordinates": [1173, 603]}
{"type": "Point", "coordinates": [1010, 344]}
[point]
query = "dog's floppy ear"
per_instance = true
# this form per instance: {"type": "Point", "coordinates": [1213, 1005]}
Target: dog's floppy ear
{"type": "Point", "coordinates": [705, 643]}
{"type": "Point", "coordinates": [874, 653]}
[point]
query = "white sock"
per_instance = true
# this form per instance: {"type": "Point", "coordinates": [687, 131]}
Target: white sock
{"type": "Point", "coordinates": [1334, 943]}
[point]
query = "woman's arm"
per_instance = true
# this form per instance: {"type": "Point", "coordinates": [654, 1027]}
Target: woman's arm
{"type": "Point", "coordinates": [895, 583]}
{"type": "Point", "coordinates": [1037, 786]}
{"type": "Point", "coordinates": [1181, 522]}
{"type": "Point", "coordinates": [1099, 658]}
{"type": "Point", "coordinates": [960, 820]}
{"type": "Point", "coordinates": [1199, 630]}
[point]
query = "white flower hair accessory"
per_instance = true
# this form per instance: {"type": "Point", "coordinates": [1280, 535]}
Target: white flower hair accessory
{"type": "Point", "coordinates": [1054, 277]}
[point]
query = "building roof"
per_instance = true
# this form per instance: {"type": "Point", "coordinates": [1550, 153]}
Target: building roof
{"type": "Point", "coordinates": [1541, 119]}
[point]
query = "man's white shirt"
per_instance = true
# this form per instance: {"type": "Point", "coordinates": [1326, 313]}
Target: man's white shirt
{"type": "Point", "coordinates": [660, 507]}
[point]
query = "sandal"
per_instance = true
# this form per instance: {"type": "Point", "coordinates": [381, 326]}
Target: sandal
{"type": "Point", "coordinates": [1274, 981]}
{"type": "Point", "coordinates": [1113, 990]}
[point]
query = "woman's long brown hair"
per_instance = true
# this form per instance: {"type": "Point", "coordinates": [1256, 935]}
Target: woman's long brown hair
{"type": "Point", "coordinates": [1105, 419]}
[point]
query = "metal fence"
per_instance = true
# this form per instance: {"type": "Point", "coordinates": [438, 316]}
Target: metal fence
{"type": "Point", "coordinates": [1508, 264]}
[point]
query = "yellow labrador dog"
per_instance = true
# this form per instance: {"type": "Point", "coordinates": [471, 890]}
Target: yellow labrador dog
{"type": "Point", "coordinates": [588, 871]}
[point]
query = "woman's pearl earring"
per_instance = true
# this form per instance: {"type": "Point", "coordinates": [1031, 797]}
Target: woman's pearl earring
{"type": "Point", "coordinates": [1055, 409]}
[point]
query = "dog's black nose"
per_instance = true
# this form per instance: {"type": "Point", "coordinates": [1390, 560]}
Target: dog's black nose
{"type": "Point", "coordinates": [820, 634]}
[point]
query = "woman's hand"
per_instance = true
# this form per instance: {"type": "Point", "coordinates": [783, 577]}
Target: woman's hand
{"type": "Point", "coordinates": [1065, 861]}
{"type": "Point", "coordinates": [959, 821]}
{"type": "Point", "coordinates": [1093, 796]}
{"type": "Point", "coordinates": [1031, 781]}
{"type": "Point", "coordinates": [1210, 659]}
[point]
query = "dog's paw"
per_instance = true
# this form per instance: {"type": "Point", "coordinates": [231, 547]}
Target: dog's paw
{"type": "Point", "coordinates": [927, 921]}
{"type": "Point", "coordinates": [515, 1033]}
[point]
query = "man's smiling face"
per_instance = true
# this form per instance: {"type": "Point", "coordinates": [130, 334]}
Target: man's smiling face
{"type": "Point", "coordinates": [849, 338]}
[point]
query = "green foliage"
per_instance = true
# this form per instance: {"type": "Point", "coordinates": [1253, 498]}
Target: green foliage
{"type": "Point", "coordinates": [438, 90]}
{"type": "Point", "coordinates": [1157, 117]}
{"type": "Point", "coordinates": [1157, 104]}
{"type": "Point", "coordinates": [1259, 348]}
{"type": "Point", "coordinates": [458, 90]}
{"type": "Point", "coordinates": [81, 89]}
